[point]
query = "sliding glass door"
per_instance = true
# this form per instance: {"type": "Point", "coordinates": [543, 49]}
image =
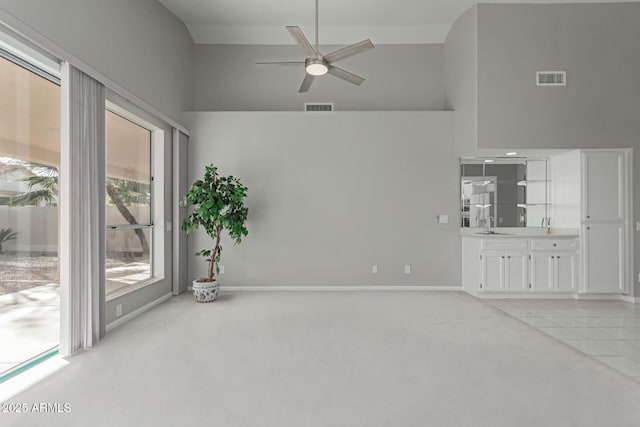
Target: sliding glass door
{"type": "Point", "coordinates": [29, 162]}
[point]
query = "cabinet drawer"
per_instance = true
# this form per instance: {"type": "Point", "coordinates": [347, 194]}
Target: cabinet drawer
{"type": "Point", "coordinates": [503, 244]}
{"type": "Point", "coordinates": [554, 244]}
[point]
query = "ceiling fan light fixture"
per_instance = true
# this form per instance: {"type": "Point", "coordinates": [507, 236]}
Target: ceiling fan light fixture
{"type": "Point", "coordinates": [316, 67]}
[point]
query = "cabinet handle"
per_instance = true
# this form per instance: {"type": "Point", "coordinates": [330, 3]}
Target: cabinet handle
{"type": "Point", "coordinates": [509, 257]}
{"type": "Point", "coordinates": [558, 257]}
{"type": "Point", "coordinates": [588, 216]}
{"type": "Point", "coordinates": [554, 245]}
{"type": "Point", "coordinates": [502, 257]}
{"type": "Point", "coordinates": [552, 257]}
{"type": "Point", "coordinates": [588, 228]}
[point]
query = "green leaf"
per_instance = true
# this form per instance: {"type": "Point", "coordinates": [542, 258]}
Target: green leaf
{"type": "Point", "coordinates": [217, 203]}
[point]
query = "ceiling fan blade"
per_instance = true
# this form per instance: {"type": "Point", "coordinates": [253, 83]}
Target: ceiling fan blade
{"type": "Point", "coordinates": [350, 50]}
{"type": "Point", "coordinates": [302, 40]}
{"type": "Point", "coordinates": [306, 83]}
{"type": "Point", "coordinates": [281, 63]}
{"type": "Point", "coordinates": [345, 75]}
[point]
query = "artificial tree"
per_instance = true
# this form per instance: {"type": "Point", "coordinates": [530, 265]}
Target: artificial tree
{"type": "Point", "coordinates": [218, 205]}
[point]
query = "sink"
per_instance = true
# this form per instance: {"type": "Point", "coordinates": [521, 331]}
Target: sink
{"type": "Point", "coordinates": [494, 233]}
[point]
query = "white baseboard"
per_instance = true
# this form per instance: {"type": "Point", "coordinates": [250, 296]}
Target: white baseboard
{"type": "Point", "coordinates": [584, 297]}
{"type": "Point", "coordinates": [138, 312]}
{"type": "Point", "coordinates": [520, 295]}
{"type": "Point", "coordinates": [316, 288]}
{"type": "Point", "coordinates": [629, 298]}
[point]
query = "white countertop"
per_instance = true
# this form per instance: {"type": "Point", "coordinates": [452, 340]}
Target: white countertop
{"type": "Point", "coordinates": [520, 233]}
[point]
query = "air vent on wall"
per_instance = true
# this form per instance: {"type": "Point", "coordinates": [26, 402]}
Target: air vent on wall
{"type": "Point", "coordinates": [551, 78]}
{"type": "Point", "coordinates": [318, 106]}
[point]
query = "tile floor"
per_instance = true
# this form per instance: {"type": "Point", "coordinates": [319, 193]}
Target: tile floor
{"type": "Point", "coordinates": [608, 331]}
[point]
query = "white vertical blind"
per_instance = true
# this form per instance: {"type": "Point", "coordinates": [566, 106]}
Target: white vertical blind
{"type": "Point", "coordinates": [82, 215]}
{"type": "Point", "coordinates": [180, 187]}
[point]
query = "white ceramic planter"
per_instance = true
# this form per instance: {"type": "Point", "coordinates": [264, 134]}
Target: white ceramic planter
{"type": "Point", "coordinates": [205, 291]}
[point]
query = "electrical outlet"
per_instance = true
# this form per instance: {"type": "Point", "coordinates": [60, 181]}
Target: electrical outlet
{"type": "Point", "coordinates": [407, 269]}
{"type": "Point", "coordinates": [374, 269]}
{"type": "Point", "coordinates": [169, 226]}
{"type": "Point", "coordinates": [118, 310]}
{"type": "Point", "coordinates": [638, 277]}
{"type": "Point", "coordinates": [221, 267]}
{"type": "Point", "coordinates": [637, 225]}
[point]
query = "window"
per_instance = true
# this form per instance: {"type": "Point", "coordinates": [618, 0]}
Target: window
{"type": "Point", "coordinates": [29, 162]}
{"type": "Point", "coordinates": [129, 203]}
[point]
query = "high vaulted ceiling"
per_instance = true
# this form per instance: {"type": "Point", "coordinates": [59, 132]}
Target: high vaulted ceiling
{"type": "Point", "coordinates": [384, 21]}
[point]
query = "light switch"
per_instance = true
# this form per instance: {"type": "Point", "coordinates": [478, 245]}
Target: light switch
{"type": "Point", "coordinates": [443, 219]}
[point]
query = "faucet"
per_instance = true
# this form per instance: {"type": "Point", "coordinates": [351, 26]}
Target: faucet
{"type": "Point", "coordinates": [487, 225]}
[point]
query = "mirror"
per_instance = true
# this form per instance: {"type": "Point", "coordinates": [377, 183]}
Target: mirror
{"type": "Point", "coordinates": [504, 192]}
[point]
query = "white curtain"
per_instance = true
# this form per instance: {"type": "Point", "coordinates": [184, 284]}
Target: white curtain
{"type": "Point", "coordinates": [82, 199]}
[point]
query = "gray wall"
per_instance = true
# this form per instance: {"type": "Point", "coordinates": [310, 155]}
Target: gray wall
{"type": "Point", "coordinates": [399, 77]}
{"type": "Point", "coordinates": [326, 205]}
{"type": "Point", "coordinates": [598, 45]}
{"type": "Point", "coordinates": [460, 60]}
{"type": "Point", "coordinates": [138, 44]}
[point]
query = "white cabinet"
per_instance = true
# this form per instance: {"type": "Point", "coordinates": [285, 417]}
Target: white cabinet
{"type": "Point", "coordinates": [603, 266]}
{"type": "Point", "coordinates": [603, 185]}
{"type": "Point", "coordinates": [504, 271]}
{"type": "Point", "coordinates": [519, 265]}
{"type": "Point", "coordinates": [553, 271]}
{"type": "Point", "coordinates": [566, 272]}
{"type": "Point", "coordinates": [542, 272]}
{"type": "Point", "coordinates": [605, 221]}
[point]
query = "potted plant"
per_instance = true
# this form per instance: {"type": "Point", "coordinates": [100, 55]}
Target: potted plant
{"type": "Point", "coordinates": [218, 205]}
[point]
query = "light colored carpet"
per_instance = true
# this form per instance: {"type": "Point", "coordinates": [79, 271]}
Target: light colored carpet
{"type": "Point", "coordinates": [333, 359]}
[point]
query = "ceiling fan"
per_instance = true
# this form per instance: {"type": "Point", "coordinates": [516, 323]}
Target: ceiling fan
{"type": "Point", "coordinates": [317, 64]}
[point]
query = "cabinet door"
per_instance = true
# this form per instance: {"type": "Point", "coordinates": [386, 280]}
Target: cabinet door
{"type": "Point", "coordinates": [603, 262]}
{"type": "Point", "coordinates": [516, 272]}
{"type": "Point", "coordinates": [542, 271]}
{"type": "Point", "coordinates": [603, 185]}
{"type": "Point", "coordinates": [565, 272]}
{"type": "Point", "coordinates": [493, 271]}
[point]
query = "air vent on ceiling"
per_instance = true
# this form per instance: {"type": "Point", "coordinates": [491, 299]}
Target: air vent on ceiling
{"type": "Point", "coordinates": [551, 78]}
{"type": "Point", "coordinates": [318, 106]}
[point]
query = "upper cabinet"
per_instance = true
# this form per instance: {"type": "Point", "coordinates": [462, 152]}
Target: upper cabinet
{"type": "Point", "coordinates": [603, 185]}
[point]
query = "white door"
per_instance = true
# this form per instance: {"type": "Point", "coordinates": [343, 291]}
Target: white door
{"type": "Point", "coordinates": [516, 272]}
{"type": "Point", "coordinates": [492, 271]}
{"type": "Point", "coordinates": [565, 272]}
{"type": "Point", "coordinates": [603, 258]}
{"type": "Point", "coordinates": [542, 271]}
{"type": "Point", "coordinates": [603, 185]}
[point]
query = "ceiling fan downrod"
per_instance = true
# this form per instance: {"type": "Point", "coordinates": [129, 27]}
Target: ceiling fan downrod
{"type": "Point", "coordinates": [317, 32]}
